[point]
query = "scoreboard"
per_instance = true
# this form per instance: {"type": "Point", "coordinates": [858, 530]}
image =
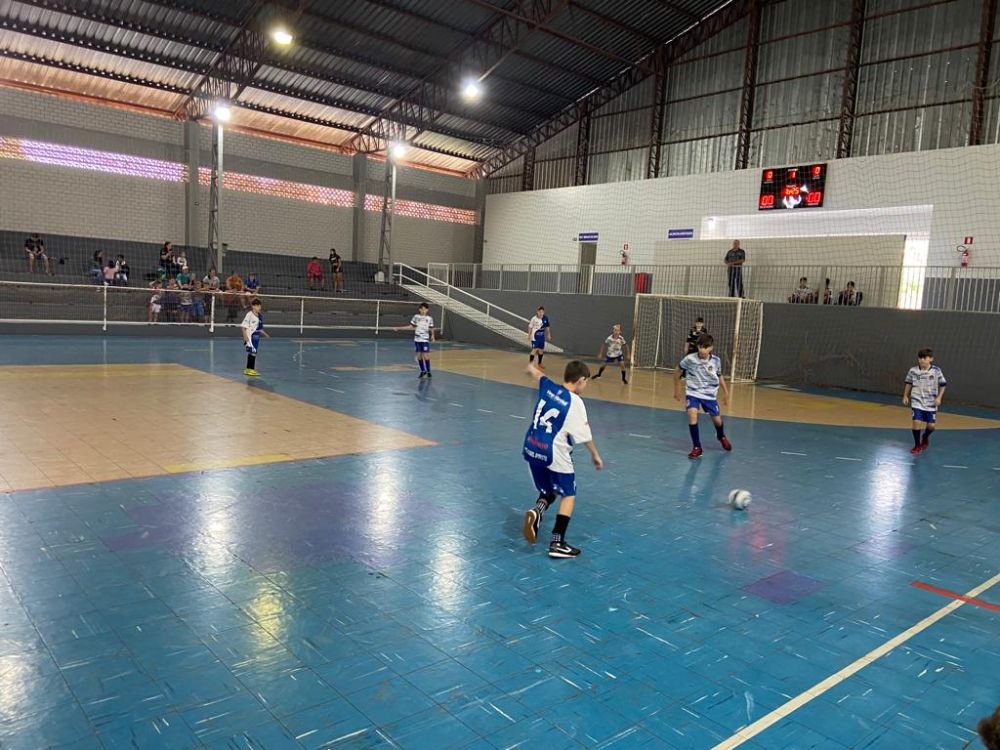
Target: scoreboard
{"type": "Point", "coordinates": [792, 187]}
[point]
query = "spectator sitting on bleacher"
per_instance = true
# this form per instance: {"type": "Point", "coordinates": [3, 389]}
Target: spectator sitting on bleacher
{"type": "Point", "coordinates": [34, 248]}
{"type": "Point", "coordinates": [314, 272]}
{"type": "Point", "coordinates": [170, 301]}
{"type": "Point", "coordinates": [109, 273]}
{"type": "Point", "coordinates": [121, 271]}
{"type": "Point", "coordinates": [180, 260]}
{"type": "Point", "coordinates": [186, 298]}
{"type": "Point", "coordinates": [183, 276]}
{"type": "Point", "coordinates": [166, 256]}
{"type": "Point", "coordinates": [198, 302]}
{"type": "Point", "coordinates": [212, 280]}
{"type": "Point", "coordinates": [251, 284]}
{"type": "Point", "coordinates": [850, 295]}
{"type": "Point", "coordinates": [827, 294]}
{"type": "Point", "coordinates": [803, 293]}
{"type": "Point", "coordinates": [97, 267]}
{"type": "Point", "coordinates": [155, 302]}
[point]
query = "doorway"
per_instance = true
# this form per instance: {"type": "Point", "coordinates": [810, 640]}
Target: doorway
{"type": "Point", "coordinates": [588, 259]}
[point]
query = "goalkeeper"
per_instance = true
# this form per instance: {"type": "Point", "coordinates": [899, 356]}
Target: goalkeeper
{"type": "Point", "coordinates": [252, 327]}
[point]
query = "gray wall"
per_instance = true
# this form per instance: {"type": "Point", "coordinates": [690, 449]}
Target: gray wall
{"type": "Point", "coordinates": [871, 349]}
{"type": "Point", "coordinates": [579, 323]}
{"type": "Point", "coordinates": [858, 348]}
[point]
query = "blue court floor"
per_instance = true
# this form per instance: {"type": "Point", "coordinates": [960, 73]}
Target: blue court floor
{"type": "Point", "coordinates": [388, 600]}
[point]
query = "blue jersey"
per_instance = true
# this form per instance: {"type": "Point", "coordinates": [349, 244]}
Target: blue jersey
{"type": "Point", "coordinates": [559, 421]}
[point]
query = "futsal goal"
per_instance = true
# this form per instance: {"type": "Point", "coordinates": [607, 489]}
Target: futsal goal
{"type": "Point", "coordinates": [663, 321]}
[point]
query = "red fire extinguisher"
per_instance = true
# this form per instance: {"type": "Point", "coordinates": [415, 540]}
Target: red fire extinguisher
{"type": "Point", "coordinates": [963, 256]}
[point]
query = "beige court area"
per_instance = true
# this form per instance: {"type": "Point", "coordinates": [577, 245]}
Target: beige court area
{"type": "Point", "coordinates": [655, 389]}
{"type": "Point", "coordinates": [69, 424]}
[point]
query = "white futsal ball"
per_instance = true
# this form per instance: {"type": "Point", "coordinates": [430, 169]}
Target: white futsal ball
{"type": "Point", "coordinates": [740, 499]}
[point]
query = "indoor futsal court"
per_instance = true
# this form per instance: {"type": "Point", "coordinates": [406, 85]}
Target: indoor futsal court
{"type": "Point", "coordinates": [312, 566]}
{"type": "Point", "coordinates": [499, 375]}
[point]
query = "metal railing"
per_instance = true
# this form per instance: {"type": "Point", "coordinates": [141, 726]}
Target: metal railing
{"type": "Point", "coordinates": [106, 306]}
{"type": "Point", "coordinates": [432, 280]}
{"type": "Point", "coordinates": [910, 287]}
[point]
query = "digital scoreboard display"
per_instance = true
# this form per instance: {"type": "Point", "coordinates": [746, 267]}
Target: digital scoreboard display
{"type": "Point", "coordinates": [792, 187]}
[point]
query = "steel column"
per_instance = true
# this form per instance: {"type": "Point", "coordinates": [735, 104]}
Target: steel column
{"type": "Point", "coordinates": [749, 86]}
{"type": "Point", "coordinates": [985, 49]}
{"type": "Point", "coordinates": [582, 145]}
{"type": "Point", "coordinates": [852, 71]}
{"type": "Point", "coordinates": [215, 196]}
{"type": "Point", "coordinates": [359, 170]}
{"type": "Point", "coordinates": [388, 211]}
{"type": "Point", "coordinates": [192, 188]}
{"type": "Point", "coordinates": [528, 174]}
{"type": "Point", "coordinates": [656, 122]}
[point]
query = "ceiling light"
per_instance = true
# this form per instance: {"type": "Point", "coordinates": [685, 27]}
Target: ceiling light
{"type": "Point", "coordinates": [398, 150]}
{"type": "Point", "coordinates": [281, 35]}
{"type": "Point", "coordinates": [222, 112]}
{"type": "Point", "coordinates": [472, 90]}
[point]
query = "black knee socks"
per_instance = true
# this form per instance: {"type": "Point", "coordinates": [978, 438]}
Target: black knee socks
{"type": "Point", "coordinates": [927, 435]}
{"type": "Point", "coordinates": [720, 431]}
{"type": "Point", "coordinates": [916, 437]}
{"type": "Point", "coordinates": [251, 361]}
{"type": "Point", "coordinates": [695, 435]}
{"type": "Point", "coordinates": [559, 530]}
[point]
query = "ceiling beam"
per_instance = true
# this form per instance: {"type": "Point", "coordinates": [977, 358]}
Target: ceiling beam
{"type": "Point", "coordinates": [417, 111]}
{"type": "Point", "coordinates": [688, 40]}
{"type": "Point", "coordinates": [693, 17]}
{"type": "Point", "coordinates": [611, 21]}
{"type": "Point", "coordinates": [569, 38]}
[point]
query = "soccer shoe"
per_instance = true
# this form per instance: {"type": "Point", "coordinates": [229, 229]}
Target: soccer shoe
{"type": "Point", "coordinates": [250, 373]}
{"type": "Point", "coordinates": [422, 373]}
{"type": "Point", "coordinates": [595, 377]}
{"type": "Point", "coordinates": [562, 550]}
{"type": "Point", "coordinates": [429, 374]}
{"type": "Point", "coordinates": [531, 520]}
{"type": "Point", "coordinates": [917, 449]}
{"type": "Point", "coordinates": [695, 453]}
{"type": "Point", "coordinates": [726, 445]}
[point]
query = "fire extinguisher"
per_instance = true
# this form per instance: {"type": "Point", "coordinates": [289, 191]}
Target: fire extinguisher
{"type": "Point", "coordinates": [963, 256]}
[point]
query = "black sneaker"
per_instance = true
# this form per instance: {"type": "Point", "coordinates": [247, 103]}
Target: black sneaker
{"type": "Point", "coordinates": [429, 374]}
{"type": "Point", "coordinates": [422, 373]}
{"type": "Point", "coordinates": [562, 550]}
{"type": "Point", "coordinates": [531, 520]}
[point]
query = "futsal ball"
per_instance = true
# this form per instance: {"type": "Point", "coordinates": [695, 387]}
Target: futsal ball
{"type": "Point", "coordinates": [740, 499]}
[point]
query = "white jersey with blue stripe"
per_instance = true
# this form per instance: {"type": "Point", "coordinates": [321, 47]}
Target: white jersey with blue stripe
{"type": "Point", "coordinates": [422, 325]}
{"type": "Point", "coordinates": [559, 421]}
{"type": "Point", "coordinates": [702, 376]}
{"type": "Point", "coordinates": [925, 386]}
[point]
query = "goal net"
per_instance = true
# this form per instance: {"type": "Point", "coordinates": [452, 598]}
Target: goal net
{"type": "Point", "coordinates": [662, 324]}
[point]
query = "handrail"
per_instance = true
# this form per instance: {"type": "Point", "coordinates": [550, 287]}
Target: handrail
{"type": "Point", "coordinates": [489, 305]}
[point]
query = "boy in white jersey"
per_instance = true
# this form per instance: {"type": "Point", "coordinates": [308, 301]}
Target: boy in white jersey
{"type": "Point", "coordinates": [538, 331]}
{"type": "Point", "coordinates": [559, 422]}
{"type": "Point", "coordinates": [923, 392]}
{"type": "Point", "coordinates": [614, 349]}
{"type": "Point", "coordinates": [703, 373]}
{"type": "Point", "coordinates": [252, 329]}
{"type": "Point", "coordinates": [422, 325]}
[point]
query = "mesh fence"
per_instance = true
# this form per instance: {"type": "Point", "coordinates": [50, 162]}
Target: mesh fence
{"type": "Point", "coordinates": [32, 302]}
{"type": "Point", "coordinates": [662, 324]}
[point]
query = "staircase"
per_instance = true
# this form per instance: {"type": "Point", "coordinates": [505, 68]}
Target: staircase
{"type": "Point", "coordinates": [500, 321]}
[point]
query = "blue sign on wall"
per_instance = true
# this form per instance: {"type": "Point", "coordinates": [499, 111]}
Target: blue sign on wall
{"type": "Point", "coordinates": [680, 234]}
{"type": "Point", "coordinates": [587, 237]}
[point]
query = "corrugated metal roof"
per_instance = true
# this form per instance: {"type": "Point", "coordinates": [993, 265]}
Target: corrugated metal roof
{"type": "Point", "coordinates": [353, 60]}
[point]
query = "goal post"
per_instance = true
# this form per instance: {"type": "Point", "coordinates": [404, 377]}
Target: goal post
{"type": "Point", "coordinates": [662, 322]}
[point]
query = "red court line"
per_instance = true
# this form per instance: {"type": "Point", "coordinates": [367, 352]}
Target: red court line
{"type": "Point", "coordinates": [953, 595]}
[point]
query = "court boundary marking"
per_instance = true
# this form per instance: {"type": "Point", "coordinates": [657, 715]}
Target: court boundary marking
{"type": "Point", "coordinates": [954, 595]}
{"type": "Point", "coordinates": [792, 705]}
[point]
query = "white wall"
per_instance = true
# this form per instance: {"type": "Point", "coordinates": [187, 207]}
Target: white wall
{"type": "Point", "coordinates": [962, 185]}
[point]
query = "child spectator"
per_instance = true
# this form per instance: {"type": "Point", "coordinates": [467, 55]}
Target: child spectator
{"type": "Point", "coordinates": [155, 305]}
{"type": "Point", "coordinates": [166, 256]}
{"type": "Point", "coordinates": [850, 295]}
{"type": "Point", "coordinates": [170, 301]}
{"type": "Point", "coordinates": [198, 302]}
{"type": "Point", "coordinates": [34, 248]}
{"type": "Point", "coordinates": [184, 276]}
{"type": "Point", "coordinates": [186, 300]}
{"type": "Point", "coordinates": [336, 270]}
{"type": "Point", "coordinates": [251, 284]}
{"type": "Point", "coordinates": [314, 273]}
{"type": "Point", "coordinates": [212, 280]}
{"type": "Point", "coordinates": [109, 273]}
{"type": "Point", "coordinates": [97, 267]}
{"type": "Point", "coordinates": [827, 294]}
{"type": "Point", "coordinates": [802, 294]}
{"type": "Point", "coordinates": [121, 271]}
{"type": "Point", "coordinates": [180, 260]}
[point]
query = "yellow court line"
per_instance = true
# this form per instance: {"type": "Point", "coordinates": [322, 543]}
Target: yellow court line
{"type": "Point", "coordinates": [63, 372]}
{"type": "Point", "coordinates": [854, 667]}
{"type": "Point", "coordinates": [223, 463]}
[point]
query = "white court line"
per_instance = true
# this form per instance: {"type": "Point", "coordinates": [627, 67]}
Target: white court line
{"type": "Point", "coordinates": [833, 680]}
{"type": "Point", "coordinates": [645, 437]}
{"type": "Point", "coordinates": [791, 453]}
{"type": "Point", "coordinates": [845, 458]}
{"type": "Point", "coordinates": [484, 411]}
{"type": "Point", "coordinates": [516, 416]}
{"type": "Point", "coordinates": [333, 389]}
{"type": "Point", "coordinates": [953, 466]}
{"type": "Point", "coordinates": [452, 403]}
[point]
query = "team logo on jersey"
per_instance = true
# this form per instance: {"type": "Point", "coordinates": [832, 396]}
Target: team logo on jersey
{"type": "Point", "coordinates": [710, 368]}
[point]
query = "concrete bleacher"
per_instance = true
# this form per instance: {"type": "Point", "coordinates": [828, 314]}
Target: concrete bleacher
{"type": "Point", "coordinates": [71, 259]}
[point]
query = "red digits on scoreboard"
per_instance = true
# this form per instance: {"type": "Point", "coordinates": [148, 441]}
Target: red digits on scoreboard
{"type": "Point", "coordinates": [814, 198]}
{"type": "Point", "coordinates": [817, 170]}
{"type": "Point", "coordinates": [790, 191]}
{"type": "Point", "coordinates": [769, 174]}
{"type": "Point", "coordinates": [767, 201]}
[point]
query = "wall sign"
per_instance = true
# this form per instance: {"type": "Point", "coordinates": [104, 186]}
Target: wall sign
{"type": "Point", "coordinates": [587, 237]}
{"type": "Point", "coordinates": [680, 234]}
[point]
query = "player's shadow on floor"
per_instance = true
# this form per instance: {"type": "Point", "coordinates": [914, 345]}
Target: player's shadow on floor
{"type": "Point", "coordinates": [260, 385]}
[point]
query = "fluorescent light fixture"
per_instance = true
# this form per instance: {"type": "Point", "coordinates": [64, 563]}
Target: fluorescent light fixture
{"type": "Point", "coordinates": [472, 90]}
{"type": "Point", "coordinates": [281, 35]}
{"type": "Point", "coordinates": [222, 112]}
{"type": "Point", "coordinates": [397, 150]}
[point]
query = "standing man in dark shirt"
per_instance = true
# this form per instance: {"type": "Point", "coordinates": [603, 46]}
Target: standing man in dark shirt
{"type": "Point", "coordinates": [734, 261]}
